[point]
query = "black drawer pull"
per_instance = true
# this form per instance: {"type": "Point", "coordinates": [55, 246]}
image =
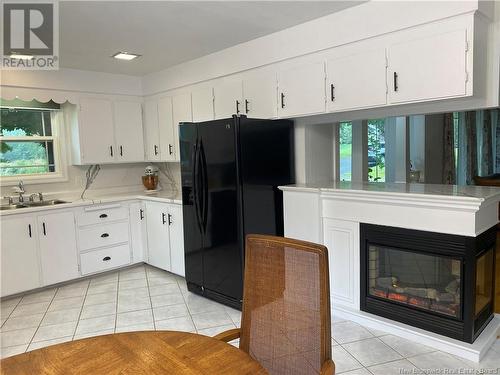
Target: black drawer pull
{"type": "Point", "coordinates": [104, 235]}
{"type": "Point", "coordinates": [105, 259]}
{"type": "Point", "coordinates": [103, 216]}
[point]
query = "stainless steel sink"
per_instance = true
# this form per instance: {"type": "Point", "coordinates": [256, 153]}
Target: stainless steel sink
{"type": "Point", "coordinates": [51, 202]}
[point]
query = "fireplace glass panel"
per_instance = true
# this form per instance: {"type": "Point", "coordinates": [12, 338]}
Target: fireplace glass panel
{"type": "Point", "coordinates": [484, 281]}
{"type": "Point", "coordinates": [428, 282]}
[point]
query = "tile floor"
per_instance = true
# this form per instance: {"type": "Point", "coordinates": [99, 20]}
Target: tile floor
{"type": "Point", "coordinates": [146, 298]}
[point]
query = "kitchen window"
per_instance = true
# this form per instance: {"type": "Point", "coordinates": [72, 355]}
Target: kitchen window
{"type": "Point", "coordinates": [29, 144]}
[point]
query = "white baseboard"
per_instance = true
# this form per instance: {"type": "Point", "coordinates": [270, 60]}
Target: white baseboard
{"type": "Point", "coordinates": [473, 352]}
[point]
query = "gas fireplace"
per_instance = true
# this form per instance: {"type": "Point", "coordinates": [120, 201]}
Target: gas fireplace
{"type": "Point", "coordinates": [438, 282]}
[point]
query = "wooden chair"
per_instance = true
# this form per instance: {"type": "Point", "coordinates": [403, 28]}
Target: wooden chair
{"type": "Point", "coordinates": [286, 306]}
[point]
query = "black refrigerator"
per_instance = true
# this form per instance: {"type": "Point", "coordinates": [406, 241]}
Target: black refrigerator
{"type": "Point", "coordinates": [230, 172]}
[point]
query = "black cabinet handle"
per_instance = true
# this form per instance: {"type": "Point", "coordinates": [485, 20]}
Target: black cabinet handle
{"type": "Point", "coordinates": [237, 107]}
{"type": "Point", "coordinates": [103, 216]}
{"type": "Point", "coordinates": [105, 259]}
{"type": "Point", "coordinates": [163, 218]}
{"type": "Point", "coordinates": [29, 230]}
{"type": "Point", "coordinates": [44, 229]}
{"type": "Point", "coordinates": [121, 150]}
{"type": "Point", "coordinates": [170, 219]}
{"type": "Point", "coordinates": [111, 150]}
{"type": "Point", "coordinates": [282, 100]}
{"type": "Point", "coordinates": [141, 214]}
{"type": "Point", "coordinates": [104, 235]}
{"type": "Point", "coordinates": [170, 149]}
{"type": "Point", "coordinates": [395, 81]}
{"type": "Point", "coordinates": [332, 92]}
{"type": "Point", "coordinates": [246, 106]}
{"type": "Point", "coordinates": [156, 150]}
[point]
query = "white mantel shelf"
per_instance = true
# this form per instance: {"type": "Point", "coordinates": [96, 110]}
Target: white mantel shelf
{"type": "Point", "coordinates": [330, 213]}
{"type": "Point", "coordinates": [452, 209]}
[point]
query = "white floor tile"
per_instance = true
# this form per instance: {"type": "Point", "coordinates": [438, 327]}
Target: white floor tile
{"type": "Point", "coordinates": [96, 324]}
{"type": "Point", "coordinates": [105, 279]}
{"type": "Point", "coordinates": [134, 318]}
{"type": "Point", "coordinates": [18, 337]}
{"type": "Point", "coordinates": [211, 319]}
{"type": "Point", "coordinates": [371, 352]}
{"type": "Point", "coordinates": [97, 299]}
{"type": "Point", "coordinates": [399, 367]}
{"type": "Point", "coordinates": [440, 361]}
{"type": "Point", "coordinates": [216, 330]}
{"type": "Point", "coordinates": [376, 332]}
{"type": "Point", "coordinates": [137, 327]}
{"type": "Point", "coordinates": [343, 360]}
{"type": "Point", "coordinates": [77, 289]}
{"type": "Point", "coordinates": [183, 323]}
{"type": "Point", "coordinates": [94, 334]}
{"type": "Point", "coordinates": [347, 331]}
{"type": "Point", "coordinates": [6, 310]}
{"type": "Point", "coordinates": [157, 290]}
{"type": "Point", "coordinates": [55, 331]}
{"type": "Point", "coordinates": [61, 316]}
{"type": "Point", "coordinates": [167, 299]}
{"type": "Point", "coordinates": [132, 284]}
{"type": "Point", "coordinates": [66, 303]}
{"type": "Point", "coordinates": [171, 311]}
{"type": "Point", "coordinates": [131, 303]}
{"type": "Point", "coordinates": [103, 288]}
{"type": "Point", "coordinates": [136, 292]}
{"type": "Point", "coordinates": [359, 371]}
{"type": "Point", "coordinates": [197, 304]}
{"type": "Point", "coordinates": [22, 322]}
{"type": "Point", "coordinates": [12, 350]}
{"type": "Point", "coordinates": [235, 315]}
{"type": "Point", "coordinates": [405, 347]}
{"type": "Point", "coordinates": [43, 296]}
{"type": "Point", "coordinates": [94, 311]}
{"type": "Point", "coordinates": [43, 344]}
{"type": "Point", "coordinates": [30, 309]}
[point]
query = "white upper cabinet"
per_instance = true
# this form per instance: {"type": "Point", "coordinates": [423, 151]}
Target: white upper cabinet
{"type": "Point", "coordinates": [96, 133]}
{"type": "Point", "coordinates": [202, 99]}
{"type": "Point", "coordinates": [19, 257]}
{"type": "Point", "coordinates": [260, 95]}
{"type": "Point", "coordinates": [152, 130]}
{"type": "Point", "coordinates": [228, 99]}
{"type": "Point", "coordinates": [428, 68]}
{"type": "Point", "coordinates": [58, 253]}
{"type": "Point", "coordinates": [166, 129]}
{"type": "Point", "coordinates": [301, 90]}
{"type": "Point", "coordinates": [128, 131]}
{"type": "Point", "coordinates": [181, 108]}
{"type": "Point", "coordinates": [356, 81]}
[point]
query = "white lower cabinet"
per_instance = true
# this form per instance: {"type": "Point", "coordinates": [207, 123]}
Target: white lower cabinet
{"type": "Point", "coordinates": [58, 253]}
{"type": "Point", "coordinates": [104, 259]}
{"type": "Point", "coordinates": [138, 238]}
{"type": "Point", "coordinates": [165, 236]}
{"type": "Point", "coordinates": [19, 257]}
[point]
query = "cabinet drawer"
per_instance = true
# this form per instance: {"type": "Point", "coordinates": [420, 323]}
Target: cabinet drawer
{"type": "Point", "coordinates": [100, 216]}
{"type": "Point", "coordinates": [104, 259]}
{"type": "Point", "coordinates": [103, 235]}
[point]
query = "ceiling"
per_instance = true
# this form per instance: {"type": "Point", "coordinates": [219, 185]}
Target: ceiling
{"type": "Point", "coordinates": [167, 33]}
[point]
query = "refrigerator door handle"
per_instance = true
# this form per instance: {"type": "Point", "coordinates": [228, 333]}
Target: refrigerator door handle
{"type": "Point", "coordinates": [196, 199]}
{"type": "Point", "coordinates": [205, 186]}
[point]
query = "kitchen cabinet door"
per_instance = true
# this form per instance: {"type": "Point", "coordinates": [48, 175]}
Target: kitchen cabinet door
{"type": "Point", "coordinates": [228, 99]}
{"type": "Point", "coordinates": [176, 239]}
{"type": "Point", "coordinates": [181, 108]}
{"type": "Point", "coordinates": [151, 130]}
{"type": "Point", "coordinates": [166, 129]}
{"type": "Point", "coordinates": [138, 232]}
{"type": "Point", "coordinates": [20, 265]}
{"type": "Point", "coordinates": [302, 90]}
{"type": "Point", "coordinates": [260, 95]}
{"type": "Point", "coordinates": [356, 81]}
{"type": "Point", "coordinates": [202, 100]}
{"type": "Point", "coordinates": [128, 131]}
{"type": "Point", "coordinates": [58, 253]}
{"type": "Point", "coordinates": [158, 236]}
{"type": "Point", "coordinates": [96, 133]}
{"type": "Point", "coordinates": [428, 68]}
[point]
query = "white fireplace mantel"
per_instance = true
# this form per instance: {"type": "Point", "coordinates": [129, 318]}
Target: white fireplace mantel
{"type": "Point", "coordinates": [330, 213]}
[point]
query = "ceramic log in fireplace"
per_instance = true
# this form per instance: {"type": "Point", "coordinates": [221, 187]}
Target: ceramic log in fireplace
{"type": "Point", "coordinates": [438, 282]}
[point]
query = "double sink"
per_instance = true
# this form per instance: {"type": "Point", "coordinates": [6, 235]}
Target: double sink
{"type": "Point", "coordinates": [51, 202]}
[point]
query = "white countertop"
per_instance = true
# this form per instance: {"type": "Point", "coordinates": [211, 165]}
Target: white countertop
{"type": "Point", "coordinates": [481, 193]}
{"type": "Point", "coordinates": [101, 198]}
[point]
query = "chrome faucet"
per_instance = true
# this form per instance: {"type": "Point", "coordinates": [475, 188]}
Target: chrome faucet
{"type": "Point", "coordinates": [21, 191]}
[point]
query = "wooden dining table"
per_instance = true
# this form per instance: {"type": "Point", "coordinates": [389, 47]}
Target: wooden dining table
{"type": "Point", "coordinates": [147, 352]}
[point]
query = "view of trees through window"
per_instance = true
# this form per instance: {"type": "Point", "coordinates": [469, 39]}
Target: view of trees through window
{"type": "Point", "coordinates": [376, 150]}
{"type": "Point", "coordinates": [26, 142]}
{"type": "Point", "coordinates": [345, 150]}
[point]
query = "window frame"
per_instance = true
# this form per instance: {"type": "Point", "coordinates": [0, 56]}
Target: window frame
{"type": "Point", "coordinates": [58, 138]}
